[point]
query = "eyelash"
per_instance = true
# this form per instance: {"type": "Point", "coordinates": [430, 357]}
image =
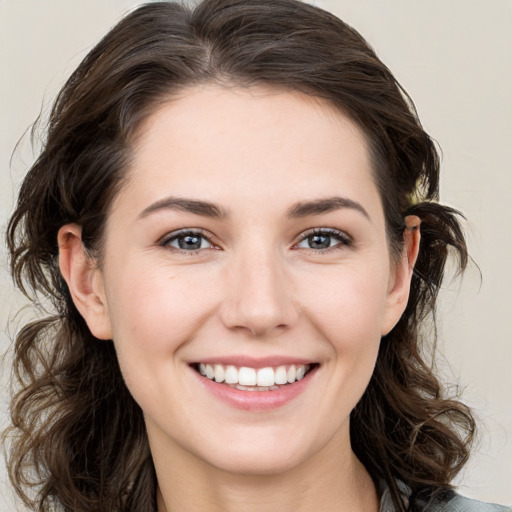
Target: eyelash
{"type": "Point", "coordinates": [343, 240]}
{"type": "Point", "coordinates": [182, 233]}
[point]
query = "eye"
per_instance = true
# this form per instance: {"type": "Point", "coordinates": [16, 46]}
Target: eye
{"type": "Point", "coordinates": [187, 240]}
{"type": "Point", "coordinates": [323, 239]}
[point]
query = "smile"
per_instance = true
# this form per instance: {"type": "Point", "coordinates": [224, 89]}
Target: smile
{"type": "Point", "coordinates": [254, 379]}
{"type": "Point", "coordinates": [258, 385]}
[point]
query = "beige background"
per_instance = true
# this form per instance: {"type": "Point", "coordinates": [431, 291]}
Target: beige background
{"type": "Point", "coordinates": [454, 57]}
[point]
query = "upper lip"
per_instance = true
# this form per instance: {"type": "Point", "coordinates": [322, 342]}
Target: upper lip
{"type": "Point", "coordinates": [254, 362]}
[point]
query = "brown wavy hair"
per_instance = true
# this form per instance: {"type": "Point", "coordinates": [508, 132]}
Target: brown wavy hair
{"type": "Point", "coordinates": [78, 438]}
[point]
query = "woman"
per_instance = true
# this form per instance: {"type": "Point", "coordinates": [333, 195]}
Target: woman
{"type": "Point", "coordinates": [235, 215]}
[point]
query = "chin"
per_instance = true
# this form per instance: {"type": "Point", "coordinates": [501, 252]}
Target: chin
{"type": "Point", "coordinates": [253, 455]}
{"type": "Point", "coordinates": [260, 464]}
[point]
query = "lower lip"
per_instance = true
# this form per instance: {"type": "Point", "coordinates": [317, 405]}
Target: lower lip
{"type": "Point", "coordinates": [257, 400]}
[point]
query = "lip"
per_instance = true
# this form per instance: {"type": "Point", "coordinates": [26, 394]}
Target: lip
{"type": "Point", "coordinates": [254, 362]}
{"type": "Point", "coordinates": [256, 400]}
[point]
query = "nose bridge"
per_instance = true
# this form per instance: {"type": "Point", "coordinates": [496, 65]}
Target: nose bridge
{"type": "Point", "coordinates": [258, 290]}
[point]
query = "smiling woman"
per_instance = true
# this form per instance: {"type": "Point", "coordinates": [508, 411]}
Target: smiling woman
{"type": "Point", "coordinates": [180, 290]}
{"type": "Point", "coordinates": [235, 215]}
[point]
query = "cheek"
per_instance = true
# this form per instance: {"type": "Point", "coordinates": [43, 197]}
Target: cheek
{"type": "Point", "coordinates": [349, 314]}
{"type": "Point", "coordinates": [154, 314]}
{"type": "Point", "coordinates": [350, 304]}
{"type": "Point", "coordinates": [158, 309]}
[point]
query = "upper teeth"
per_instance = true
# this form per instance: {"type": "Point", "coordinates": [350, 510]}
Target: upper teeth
{"type": "Point", "coordinates": [246, 376]}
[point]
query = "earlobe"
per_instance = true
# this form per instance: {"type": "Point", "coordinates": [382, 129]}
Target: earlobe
{"type": "Point", "coordinates": [398, 293]}
{"type": "Point", "coordinates": [84, 280]}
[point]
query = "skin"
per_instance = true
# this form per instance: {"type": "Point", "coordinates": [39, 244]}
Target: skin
{"type": "Point", "coordinates": [256, 287]}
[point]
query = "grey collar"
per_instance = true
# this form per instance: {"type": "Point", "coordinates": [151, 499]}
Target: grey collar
{"type": "Point", "coordinates": [386, 503]}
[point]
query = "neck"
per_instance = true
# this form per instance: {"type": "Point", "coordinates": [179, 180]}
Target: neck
{"type": "Point", "coordinates": [331, 484]}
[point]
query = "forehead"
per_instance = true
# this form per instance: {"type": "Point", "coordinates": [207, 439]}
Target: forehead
{"type": "Point", "coordinates": [249, 143]}
{"type": "Point", "coordinates": [243, 112]}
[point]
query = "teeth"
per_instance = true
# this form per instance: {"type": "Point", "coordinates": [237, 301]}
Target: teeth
{"type": "Point", "coordinates": [265, 377]}
{"type": "Point", "coordinates": [210, 372]}
{"type": "Point", "coordinates": [280, 375]}
{"type": "Point", "coordinates": [219, 373]}
{"type": "Point", "coordinates": [252, 379]}
{"type": "Point", "coordinates": [256, 388]}
{"type": "Point", "coordinates": [231, 375]}
{"type": "Point", "coordinates": [247, 376]}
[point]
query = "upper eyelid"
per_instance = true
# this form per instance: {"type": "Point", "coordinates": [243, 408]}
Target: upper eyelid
{"type": "Point", "coordinates": [324, 231]}
{"type": "Point", "coordinates": [184, 232]}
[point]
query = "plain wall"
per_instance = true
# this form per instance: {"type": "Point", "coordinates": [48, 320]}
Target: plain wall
{"type": "Point", "coordinates": [454, 58]}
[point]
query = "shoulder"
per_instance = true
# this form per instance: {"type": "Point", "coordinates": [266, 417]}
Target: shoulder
{"type": "Point", "coordinates": [458, 503]}
{"type": "Point", "coordinates": [434, 500]}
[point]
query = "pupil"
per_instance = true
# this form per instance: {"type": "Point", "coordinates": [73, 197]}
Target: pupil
{"type": "Point", "coordinates": [319, 241]}
{"type": "Point", "coordinates": [189, 242]}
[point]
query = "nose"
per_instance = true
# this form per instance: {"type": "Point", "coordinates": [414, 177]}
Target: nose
{"type": "Point", "coordinates": [259, 294]}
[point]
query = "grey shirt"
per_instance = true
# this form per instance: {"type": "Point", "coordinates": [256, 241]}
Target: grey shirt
{"type": "Point", "coordinates": [456, 503]}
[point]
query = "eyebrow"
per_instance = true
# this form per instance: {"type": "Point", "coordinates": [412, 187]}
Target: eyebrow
{"type": "Point", "coordinates": [320, 206]}
{"type": "Point", "coordinates": [195, 206]}
{"type": "Point", "coordinates": [298, 210]}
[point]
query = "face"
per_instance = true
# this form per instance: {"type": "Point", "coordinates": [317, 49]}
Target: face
{"type": "Point", "coordinates": [246, 279]}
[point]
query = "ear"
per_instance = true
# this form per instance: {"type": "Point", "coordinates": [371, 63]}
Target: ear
{"type": "Point", "coordinates": [401, 275]}
{"type": "Point", "coordinates": [84, 280]}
